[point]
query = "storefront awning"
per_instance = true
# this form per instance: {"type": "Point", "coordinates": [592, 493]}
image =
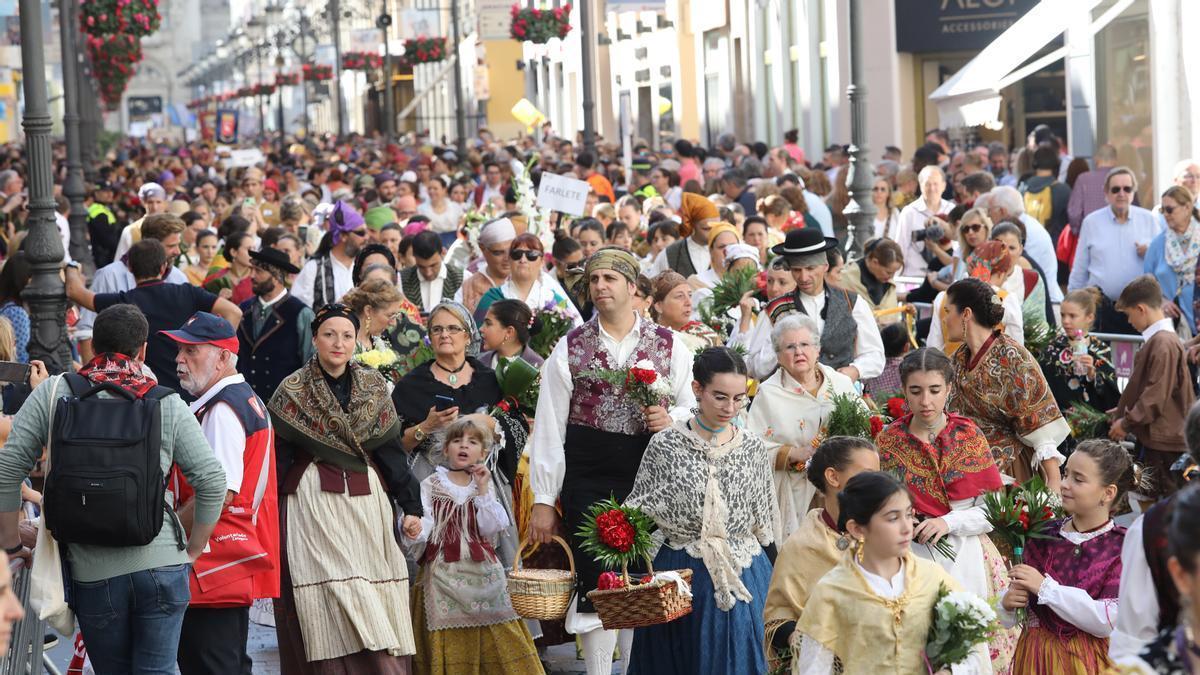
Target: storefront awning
{"type": "Point", "coordinates": [972, 96]}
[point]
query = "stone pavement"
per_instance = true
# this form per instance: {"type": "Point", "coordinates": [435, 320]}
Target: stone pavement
{"type": "Point", "coordinates": [265, 652]}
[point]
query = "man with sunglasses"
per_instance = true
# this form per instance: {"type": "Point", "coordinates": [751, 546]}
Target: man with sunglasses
{"type": "Point", "coordinates": [1112, 247]}
{"type": "Point", "coordinates": [430, 281]}
{"type": "Point", "coordinates": [327, 276]}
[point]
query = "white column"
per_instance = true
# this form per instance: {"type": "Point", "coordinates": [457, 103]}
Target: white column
{"type": "Point", "coordinates": [1166, 60]}
{"type": "Point", "coordinates": [1081, 80]}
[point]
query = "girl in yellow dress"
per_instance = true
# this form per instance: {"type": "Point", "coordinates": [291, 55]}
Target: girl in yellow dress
{"type": "Point", "coordinates": [872, 612]}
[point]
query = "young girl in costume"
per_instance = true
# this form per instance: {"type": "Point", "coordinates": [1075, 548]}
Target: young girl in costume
{"type": "Point", "coordinates": [813, 549]}
{"type": "Point", "coordinates": [947, 467]}
{"type": "Point", "coordinates": [872, 612]}
{"type": "Point", "coordinates": [1069, 582]}
{"type": "Point", "coordinates": [463, 619]}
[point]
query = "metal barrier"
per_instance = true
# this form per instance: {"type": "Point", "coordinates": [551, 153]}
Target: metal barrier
{"type": "Point", "coordinates": [25, 647]}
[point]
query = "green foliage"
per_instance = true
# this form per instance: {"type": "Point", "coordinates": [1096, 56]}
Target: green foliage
{"type": "Point", "coordinates": [726, 295]}
{"type": "Point", "coordinates": [849, 417]}
{"type": "Point", "coordinates": [1085, 421]}
{"type": "Point", "coordinates": [1037, 337]}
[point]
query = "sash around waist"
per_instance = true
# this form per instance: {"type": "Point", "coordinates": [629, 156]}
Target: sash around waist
{"type": "Point", "coordinates": [600, 462]}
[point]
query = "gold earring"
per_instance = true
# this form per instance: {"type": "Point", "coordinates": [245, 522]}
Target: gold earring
{"type": "Point", "coordinates": [858, 550]}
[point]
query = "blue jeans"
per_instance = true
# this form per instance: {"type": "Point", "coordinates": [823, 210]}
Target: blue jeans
{"type": "Point", "coordinates": [131, 623]}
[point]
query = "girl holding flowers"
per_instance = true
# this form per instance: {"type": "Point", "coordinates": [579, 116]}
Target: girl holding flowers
{"type": "Point", "coordinates": [707, 485]}
{"type": "Point", "coordinates": [946, 464]}
{"type": "Point", "coordinates": [1069, 582]}
{"type": "Point", "coordinates": [873, 612]}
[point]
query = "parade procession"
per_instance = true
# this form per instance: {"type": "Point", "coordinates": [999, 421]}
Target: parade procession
{"type": "Point", "coordinates": [651, 337]}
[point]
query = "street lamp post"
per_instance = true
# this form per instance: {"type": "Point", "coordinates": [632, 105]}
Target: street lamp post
{"type": "Point", "coordinates": [586, 40]}
{"type": "Point", "coordinates": [73, 185]}
{"type": "Point", "coordinates": [336, 10]}
{"type": "Point", "coordinates": [254, 29]}
{"type": "Point", "coordinates": [460, 117]}
{"type": "Point", "coordinates": [860, 212]}
{"type": "Point", "coordinates": [389, 104]}
{"type": "Point", "coordinates": [303, 27]}
{"type": "Point", "coordinates": [45, 295]}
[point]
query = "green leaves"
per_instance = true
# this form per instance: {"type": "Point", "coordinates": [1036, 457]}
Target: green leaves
{"type": "Point", "coordinates": [849, 417]}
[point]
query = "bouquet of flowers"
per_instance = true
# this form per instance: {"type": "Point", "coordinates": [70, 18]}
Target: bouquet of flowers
{"type": "Point", "coordinates": [1085, 421]}
{"type": "Point", "coordinates": [642, 383]}
{"type": "Point", "coordinates": [725, 296]}
{"type": "Point", "coordinates": [381, 358]}
{"type": "Point", "coordinates": [850, 417]}
{"type": "Point", "coordinates": [961, 620]}
{"type": "Point", "coordinates": [1037, 337]}
{"type": "Point", "coordinates": [616, 535]}
{"type": "Point", "coordinates": [555, 324]}
{"type": "Point", "coordinates": [1019, 513]}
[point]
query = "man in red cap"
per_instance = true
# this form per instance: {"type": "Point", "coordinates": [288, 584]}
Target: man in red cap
{"type": "Point", "coordinates": [241, 562]}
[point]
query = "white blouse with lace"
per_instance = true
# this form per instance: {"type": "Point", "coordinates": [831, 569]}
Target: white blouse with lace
{"type": "Point", "coordinates": [490, 516]}
{"type": "Point", "coordinates": [716, 502]}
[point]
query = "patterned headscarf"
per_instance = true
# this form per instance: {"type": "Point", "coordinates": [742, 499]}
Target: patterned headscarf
{"type": "Point", "coordinates": [334, 310]}
{"type": "Point", "coordinates": [608, 258]}
{"type": "Point", "coordinates": [694, 208]}
{"type": "Point", "coordinates": [460, 312]}
{"type": "Point", "coordinates": [989, 259]}
{"type": "Point", "coordinates": [722, 228]}
{"type": "Point", "coordinates": [343, 219]}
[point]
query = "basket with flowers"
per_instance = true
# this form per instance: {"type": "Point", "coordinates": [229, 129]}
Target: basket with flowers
{"type": "Point", "coordinates": [616, 535]}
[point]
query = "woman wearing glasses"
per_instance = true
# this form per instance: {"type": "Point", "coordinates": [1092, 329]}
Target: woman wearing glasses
{"type": "Point", "coordinates": [453, 384]}
{"type": "Point", "coordinates": [528, 282]}
{"type": "Point", "coordinates": [790, 411]}
{"type": "Point", "coordinates": [1172, 256]}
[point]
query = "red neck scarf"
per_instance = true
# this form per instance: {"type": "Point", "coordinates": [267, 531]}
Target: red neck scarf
{"type": "Point", "coordinates": [120, 370]}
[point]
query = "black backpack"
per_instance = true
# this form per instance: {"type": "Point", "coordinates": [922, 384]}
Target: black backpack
{"type": "Point", "coordinates": [105, 486]}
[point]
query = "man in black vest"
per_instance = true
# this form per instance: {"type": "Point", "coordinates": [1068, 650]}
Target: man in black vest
{"type": "Point", "coordinates": [275, 337]}
{"type": "Point", "coordinates": [850, 341]}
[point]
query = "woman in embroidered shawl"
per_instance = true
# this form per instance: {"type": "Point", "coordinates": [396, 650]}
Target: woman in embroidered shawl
{"type": "Point", "coordinates": [1000, 387]}
{"type": "Point", "coordinates": [872, 612]}
{"type": "Point", "coordinates": [462, 615]}
{"type": "Point", "coordinates": [344, 605]}
{"type": "Point", "coordinates": [1070, 581]}
{"type": "Point", "coordinates": [707, 485]}
{"type": "Point", "coordinates": [947, 467]}
{"type": "Point", "coordinates": [816, 547]}
{"type": "Point", "coordinates": [790, 411]}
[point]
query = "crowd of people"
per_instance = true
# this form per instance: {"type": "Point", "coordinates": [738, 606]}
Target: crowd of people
{"type": "Point", "coordinates": [378, 371]}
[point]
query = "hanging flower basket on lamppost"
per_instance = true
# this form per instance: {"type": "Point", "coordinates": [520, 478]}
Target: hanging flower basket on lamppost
{"type": "Point", "coordinates": [317, 73]}
{"type": "Point", "coordinates": [138, 18]}
{"type": "Point", "coordinates": [424, 49]}
{"type": "Point", "coordinates": [113, 58]}
{"type": "Point", "coordinates": [539, 26]}
{"type": "Point", "coordinates": [361, 61]}
{"type": "Point", "coordinates": [287, 79]}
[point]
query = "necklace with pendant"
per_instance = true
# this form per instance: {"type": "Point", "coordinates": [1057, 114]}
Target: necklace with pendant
{"type": "Point", "coordinates": [452, 374]}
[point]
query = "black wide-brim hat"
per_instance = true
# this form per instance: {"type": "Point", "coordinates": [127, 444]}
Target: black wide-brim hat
{"type": "Point", "coordinates": [804, 241]}
{"type": "Point", "coordinates": [275, 258]}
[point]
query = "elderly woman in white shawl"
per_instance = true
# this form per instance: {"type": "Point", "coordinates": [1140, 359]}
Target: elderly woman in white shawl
{"type": "Point", "coordinates": [790, 412]}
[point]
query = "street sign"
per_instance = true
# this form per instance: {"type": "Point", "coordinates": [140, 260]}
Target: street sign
{"type": "Point", "coordinates": [560, 193]}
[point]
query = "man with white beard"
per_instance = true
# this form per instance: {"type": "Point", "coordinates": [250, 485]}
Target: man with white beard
{"type": "Point", "coordinates": [241, 562]}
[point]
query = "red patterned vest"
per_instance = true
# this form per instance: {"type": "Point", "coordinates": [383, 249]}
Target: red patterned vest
{"type": "Point", "coordinates": [598, 404]}
{"type": "Point", "coordinates": [241, 562]}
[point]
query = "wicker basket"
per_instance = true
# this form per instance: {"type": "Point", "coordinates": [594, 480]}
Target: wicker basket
{"type": "Point", "coordinates": [643, 605]}
{"type": "Point", "coordinates": [542, 594]}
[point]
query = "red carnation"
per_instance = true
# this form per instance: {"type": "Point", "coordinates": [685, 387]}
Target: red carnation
{"type": "Point", "coordinates": [1024, 520]}
{"type": "Point", "coordinates": [643, 376]}
{"type": "Point", "coordinates": [609, 581]}
{"type": "Point", "coordinates": [895, 407]}
{"type": "Point", "coordinates": [536, 13]}
{"type": "Point", "coordinates": [876, 425]}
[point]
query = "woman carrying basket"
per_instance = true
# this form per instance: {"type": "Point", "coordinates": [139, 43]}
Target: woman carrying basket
{"type": "Point", "coordinates": [707, 485]}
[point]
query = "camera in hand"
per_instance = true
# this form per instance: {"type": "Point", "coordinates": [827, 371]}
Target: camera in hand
{"type": "Point", "coordinates": [933, 231]}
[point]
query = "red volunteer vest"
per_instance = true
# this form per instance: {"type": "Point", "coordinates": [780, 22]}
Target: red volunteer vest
{"type": "Point", "coordinates": [241, 561]}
